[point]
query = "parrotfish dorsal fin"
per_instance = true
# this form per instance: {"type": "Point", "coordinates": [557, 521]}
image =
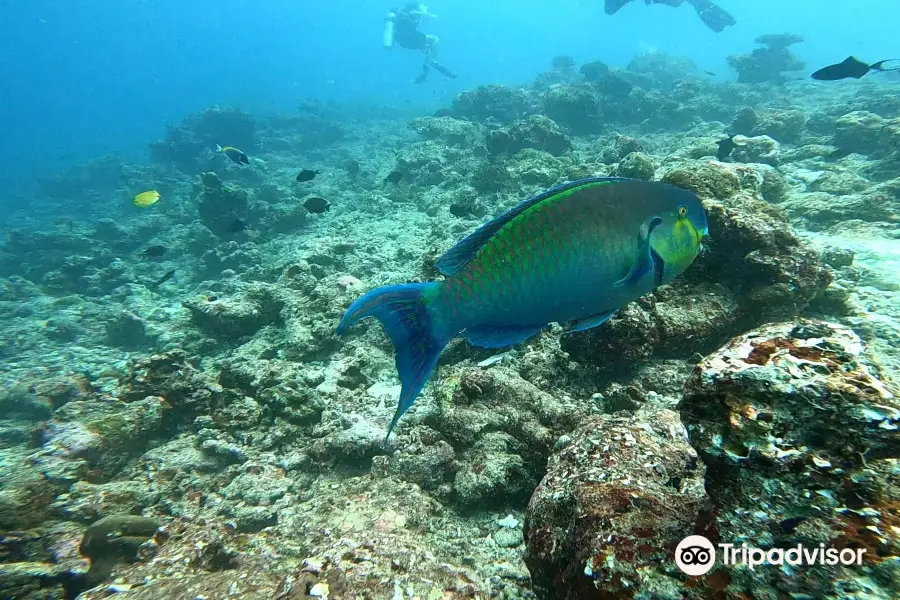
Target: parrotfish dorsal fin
{"type": "Point", "coordinates": [465, 250]}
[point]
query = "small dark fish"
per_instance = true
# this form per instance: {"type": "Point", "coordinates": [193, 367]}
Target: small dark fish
{"type": "Point", "coordinates": [155, 251]}
{"type": "Point", "coordinates": [789, 524]}
{"type": "Point", "coordinates": [462, 210]}
{"type": "Point", "coordinates": [850, 67]}
{"type": "Point", "coordinates": [725, 147]}
{"type": "Point", "coordinates": [317, 205]}
{"type": "Point", "coordinates": [236, 226]}
{"type": "Point", "coordinates": [169, 275]}
{"type": "Point", "coordinates": [234, 154]}
{"type": "Point", "coordinates": [307, 175]}
{"type": "Point", "coordinates": [710, 73]}
{"type": "Point", "coordinates": [839, 154]}
{"type": "Point", "coordinates": [393, 177]}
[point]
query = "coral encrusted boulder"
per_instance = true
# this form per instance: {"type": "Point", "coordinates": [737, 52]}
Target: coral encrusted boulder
{"type": "Point", "coordinates": [618, 496]}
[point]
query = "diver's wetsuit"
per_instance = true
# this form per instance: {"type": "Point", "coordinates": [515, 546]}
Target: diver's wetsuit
{"type": "Point", "coordinates": [407, 34]}
{"type": "Point", "coordinates": [712, 15]}
{"type": "Point", "coordinates": [403, 29]}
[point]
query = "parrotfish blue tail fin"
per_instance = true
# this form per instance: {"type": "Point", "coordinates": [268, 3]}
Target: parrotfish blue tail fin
{"type": "Point", "coordinates": [218, 148]}
{"type": "Point", "coordinates": [413, 328]}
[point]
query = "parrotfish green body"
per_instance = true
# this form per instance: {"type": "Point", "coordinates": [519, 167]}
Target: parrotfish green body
{"type": "Point", "coordinates": [574, 254]}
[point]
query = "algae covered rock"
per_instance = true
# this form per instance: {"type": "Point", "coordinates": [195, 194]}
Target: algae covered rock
{"type": "Point", "coordinates": [233, 317]}
{"type": "Point", "coordinates": [758, 149]}
{"type": "Point", "coordinates": [501, 429]}
{"type": "Point", "coordinates": [505, 104]}
{"type": "Point", "coordinates": [39, 580]}
{"type": "Point", "coordinates": [799, 439]}
{"type": "Point", "coordinates": [636, 165]}
{"type": "Point", "coordinates": [219, 204]}
{"type": "Point", "coordinates": [704, 179]}
{"type": "Point", "coordinates": [537, 132]}
{"type": "Point", "coordinates": [770, 61]}
{"type": "Point", "coordinates": [99, 435]}
{"type": "Point", "coordinates": [453, 132]}
{"type": "Point", "coordinates": [574, 107]}
{"type": "Point", "coordinates": [171, 376]}
{"type": "Point", "coordinates": [867, 133]}
{"type": "Point", "coordinates": [188, 145]}
{"type": "Point", "coordinates": [618, 496]}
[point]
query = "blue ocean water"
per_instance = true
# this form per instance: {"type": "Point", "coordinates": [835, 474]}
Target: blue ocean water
{"type": "Point", "coordinates": [88, 77]}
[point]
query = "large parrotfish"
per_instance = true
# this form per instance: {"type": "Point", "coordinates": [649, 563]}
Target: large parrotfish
{"type": "Point", "coordinates": [574, 254]}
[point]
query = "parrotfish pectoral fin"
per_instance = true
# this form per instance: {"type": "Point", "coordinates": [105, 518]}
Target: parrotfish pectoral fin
{"type": "Point", "coordinates": [465, 250]}
{"type": "Point", "coordinates": [590, 322]}
{"type": "Point", "coordinates": [659, 268]}
{"type": "Point", "coordinates": [412, 328]}
{"type": "Point", "coordinates": [490, 337]}
{"type": "Point", "coordinates": [644, 263]}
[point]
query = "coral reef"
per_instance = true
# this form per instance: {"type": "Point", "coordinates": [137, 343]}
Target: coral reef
{"type": "Point", "coordinates": [767, 64]}
{"type": "Point", "coordinates": [619, 494]}
{"type": "Point", "coordinates": [538, 132]}
{"type": "Point", "coordinates": [179, 419]}
{"type": "Point", "coordinates": [190, 146]}
{"type": "Point", "coordinates": [799, 441]}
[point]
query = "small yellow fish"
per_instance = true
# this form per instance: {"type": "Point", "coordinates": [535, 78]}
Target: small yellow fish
{"type": "Point", "coordinates": [234, 154]}
{"type": "Point", "coordinates": [147, 198]}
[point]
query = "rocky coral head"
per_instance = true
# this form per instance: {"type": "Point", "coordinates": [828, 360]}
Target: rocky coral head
{"type": "Point", "coordinates": [594, 70]}
{"type": "Point", "coordinates": [777, 41]}
{"type": "Point", "coordinates": [563, 62]}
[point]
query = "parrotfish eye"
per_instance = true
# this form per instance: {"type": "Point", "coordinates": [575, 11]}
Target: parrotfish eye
{"type": "Point", "coordinates": [682, 210]}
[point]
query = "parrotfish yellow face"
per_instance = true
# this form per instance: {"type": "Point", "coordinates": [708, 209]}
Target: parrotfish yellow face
{"type": "Point", "coordinates": [677, 239]}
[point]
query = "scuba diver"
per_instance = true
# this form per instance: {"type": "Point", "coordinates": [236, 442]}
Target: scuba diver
{"type": "Point", "coordinates": [401, 27]}
{"type": "Point", "coordinates": [710, 13]}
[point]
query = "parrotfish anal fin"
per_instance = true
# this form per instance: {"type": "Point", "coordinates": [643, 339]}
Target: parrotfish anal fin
{"type": "Point", "coordinates": [465, 250]}
{"type": "Point", "coordinates": [490, 337]}
{"type": "Point", "coordinates": [644, 263]}
{"type": "Point", "coordinates": [590, 322]}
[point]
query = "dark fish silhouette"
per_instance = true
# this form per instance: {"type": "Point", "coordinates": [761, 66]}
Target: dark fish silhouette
{"type": "Point", "coordinates": [725, 147]}
{"type": "Point", "coordinates": [839, 154]}
{"type": "Point", "coordinates": [155, 251]}
{"type": "Point", "coordinates": [236, 226]}
{"type": "Point", "coordinates": [393, 177]}
{"type": "Point", "coordinates": [316, 205]}
{"type": "Point", "coordinates": [850, 67]}
{"type": "Point", "coordinates": [169, 275]}
{"type": "Point", "coordinates": [307, 175]}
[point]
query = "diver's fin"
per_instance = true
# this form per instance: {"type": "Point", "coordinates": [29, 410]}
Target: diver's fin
{"type": "Point", "coordinates": [611, 7]}
{"type": "Point", "coordinates": [590, 322]}
{"type": "Point", "coordinates": [644, 262]}
{"type": "Point", "coordinates": [412, 328]}
{"type": "Point", "coordinates": [500, 337]}
{"type": "Point", "coordinates": [442, 69]}
{"type": "Point", "coordinates": [465, 250]}
{"type": "Point", "coordinates": [424, 74]}
{"type": "Point", "coordinates": [712, 15]}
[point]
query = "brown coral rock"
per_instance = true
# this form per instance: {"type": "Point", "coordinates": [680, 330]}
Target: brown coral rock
{"type": "Point", "coordinates": [617, 498]}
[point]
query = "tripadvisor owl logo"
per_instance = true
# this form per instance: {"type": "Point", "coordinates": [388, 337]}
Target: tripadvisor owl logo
{"type": "Point", "coordinates": [695, 555]}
